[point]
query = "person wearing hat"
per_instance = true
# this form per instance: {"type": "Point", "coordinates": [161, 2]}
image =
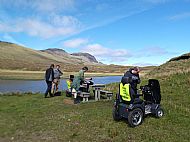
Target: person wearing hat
{"type": "Point", "coordinates": [133, 73]}
{"type": "Point", "coordinates": [77, 82]}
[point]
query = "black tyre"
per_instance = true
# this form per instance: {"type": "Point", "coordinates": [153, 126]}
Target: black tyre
{"type": "Point", "coordinates": [159, 113]}
{"type": "Point", "coordinates": [116, 115]}
{"type": "Point", "coordinates": [135, 117]}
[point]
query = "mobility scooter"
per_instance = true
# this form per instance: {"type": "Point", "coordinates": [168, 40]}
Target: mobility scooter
{"type": "Point", "coordinates": [128, 105]}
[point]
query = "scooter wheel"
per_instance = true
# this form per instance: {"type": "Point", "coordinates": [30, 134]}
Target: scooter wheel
{"type": "Point", "coordinates": [115, 114]}
{"type": "Point", "coordinates": [135, 117]}
{"type": "Point", "coordinates": [159, 113]}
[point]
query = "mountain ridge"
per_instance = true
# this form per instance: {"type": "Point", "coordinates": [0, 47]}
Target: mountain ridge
{"type": "Point", "coordinates": [86, 57]}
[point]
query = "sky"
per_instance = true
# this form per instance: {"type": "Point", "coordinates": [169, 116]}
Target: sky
{"type": "Point", "coordinates": [123, 32]}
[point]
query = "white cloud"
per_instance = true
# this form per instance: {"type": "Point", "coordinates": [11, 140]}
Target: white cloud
{"type": "Point", "coordinates": [64, 21]}
{"type": "Point", "coordinates": [106, 54]}
{"type": "Point", "coordinates": [74, 43]}
{"type": "Point", "coordinates": [35, 27]}
{"type": "Point", "coordinates": [44, 6]}
{"type": "Point", "coordinates": [41, 18]}
{"type": "Point", "coordinates": [96, 50]}
{"type": "Point", "coordinates": [142, 64]}
{"type": "Point", "coordinates": [54, 5]}
{"type": "Point", "coordinates": [180, 16]}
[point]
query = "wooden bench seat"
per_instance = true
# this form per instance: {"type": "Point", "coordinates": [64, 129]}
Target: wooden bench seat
{"type": "Point", "coordinates": [85, 96]}
{"type": "Point", "coordinates": [107, 93]}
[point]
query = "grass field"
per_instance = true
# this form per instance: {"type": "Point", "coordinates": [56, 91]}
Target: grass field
{"type": "Point", "coordinates": [39, 75]}
{"type": "Point", "coordinates": [33, 118]}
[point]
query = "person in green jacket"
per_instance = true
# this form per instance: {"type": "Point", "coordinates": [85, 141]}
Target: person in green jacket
{"type": "Point", "coordinates": [77, 82]}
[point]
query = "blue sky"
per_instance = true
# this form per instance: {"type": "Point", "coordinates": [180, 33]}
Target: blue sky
{"type": "Point", "coordinates": [125, 32]}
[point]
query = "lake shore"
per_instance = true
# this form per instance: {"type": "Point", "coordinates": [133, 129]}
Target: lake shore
{"type": "Point", "coordinates": [39, 75]}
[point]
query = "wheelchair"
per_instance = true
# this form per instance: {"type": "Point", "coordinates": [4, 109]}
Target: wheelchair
{"type": "Point", "coordinates": [132, 107]}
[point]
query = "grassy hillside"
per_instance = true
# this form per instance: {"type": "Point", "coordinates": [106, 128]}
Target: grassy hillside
{"type": "Point", "coordinates": [33, 118]}
{"type": "Point", "coordinates": [18, 57]}
{"type": "Point", "coordinates": [175, 65]}
{"type": "Point", "coordinates": [15, 57]}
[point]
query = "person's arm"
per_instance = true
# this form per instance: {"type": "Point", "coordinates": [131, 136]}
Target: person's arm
{"type": "Point", "coordinates": [81, 75]}
{"type": "Point", "coordinates": [138, 80]}
{"type": "Point", "coordinates": [46, 75]}
{"type": "Point", "coordinates": [60, 72]}
{"type": "Point", "coordinates": [52, 71]}
{"type": "Point", "coordinates": [88, 78]}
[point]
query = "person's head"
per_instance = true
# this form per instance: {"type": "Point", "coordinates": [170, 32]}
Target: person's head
{"type": "Point", "coordinates": [52, 66]}
{"type": "Point", "coordinates": [85, 68]}
{"type": "Point", "coordinates": [135, 70]}
{"type": "Point", "coordinates": [71, 77]}
{"type": "Point", "coordinates": [57, 66]}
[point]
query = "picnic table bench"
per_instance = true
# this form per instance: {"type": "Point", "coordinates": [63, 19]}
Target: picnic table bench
{"type": "Point", "coordinates": [97, 88]}
{"type": "Point", "coordinates": [85, 96]}
{"type": "Point", "coordinates": [107, 93]}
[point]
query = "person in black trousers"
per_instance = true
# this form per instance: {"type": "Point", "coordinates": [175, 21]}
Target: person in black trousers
{"type": "Point", "coordinates": [49, 76]}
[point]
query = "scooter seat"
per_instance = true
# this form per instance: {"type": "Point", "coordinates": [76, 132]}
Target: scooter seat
{"type": "Point", "coordinates": [137, 101]}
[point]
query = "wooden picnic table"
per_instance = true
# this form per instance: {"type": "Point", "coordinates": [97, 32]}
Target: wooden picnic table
{"type": "Point", "coordinates": [97, 88]}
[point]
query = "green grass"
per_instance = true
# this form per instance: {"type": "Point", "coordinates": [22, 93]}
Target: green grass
{"type": "Point", "coordinates": [176, 65]}
{"type": "Point", "coordinates": [33, 118]}
{"type": "Point", "coordinates": [39, 75]}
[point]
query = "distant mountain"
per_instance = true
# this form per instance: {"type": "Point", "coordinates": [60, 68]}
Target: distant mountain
{"type": "Point", "coordinates": [86, 55]}
{"type": "Point", "coordinates": [56, 51]}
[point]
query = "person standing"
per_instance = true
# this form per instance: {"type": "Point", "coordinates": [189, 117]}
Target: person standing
{"type": "Point", "coordinates": [77, 82]}
{"type": "Point", "coordinates": [49, 76]}
{"type": "Point", "coordinates": [57, 76]}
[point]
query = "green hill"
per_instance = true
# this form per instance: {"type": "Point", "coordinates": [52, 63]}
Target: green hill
{"type": "Point", "coordinates": [175, 65]}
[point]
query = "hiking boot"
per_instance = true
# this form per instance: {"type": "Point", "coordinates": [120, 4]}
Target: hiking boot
{"type": "Point", "coordinates": [78, 100]}
{"type": "Point", "coordinates": [51, 95]}
{"type": "Point", "coordinates": [75, 101]}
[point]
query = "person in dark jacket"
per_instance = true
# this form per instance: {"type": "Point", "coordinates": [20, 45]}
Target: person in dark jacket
{"type": "Point", "coordinates": [49, 76]}
{"type": "Point", "coordinates": [133, 73]}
